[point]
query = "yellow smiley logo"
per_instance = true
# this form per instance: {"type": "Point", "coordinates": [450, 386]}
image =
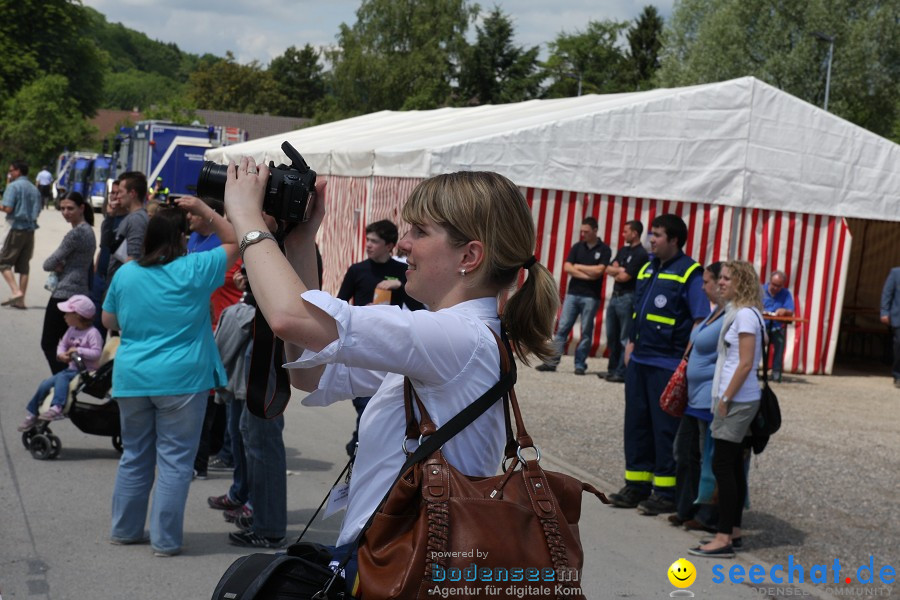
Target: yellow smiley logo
{"type": "Point", "coordinates": [682, 573]}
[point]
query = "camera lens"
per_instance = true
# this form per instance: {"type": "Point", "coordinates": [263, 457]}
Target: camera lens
{"type": "Point", "coordinates": [211, 183]}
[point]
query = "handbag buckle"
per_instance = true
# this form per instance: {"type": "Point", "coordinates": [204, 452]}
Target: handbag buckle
{"type": "Point", "coordinates": [536, 449]}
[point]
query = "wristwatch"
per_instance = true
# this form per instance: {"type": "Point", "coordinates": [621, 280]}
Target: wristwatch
{"type": "Point", "coordinates": [252, 237]}
{"type": "Point", "coordinates": [724, 399]}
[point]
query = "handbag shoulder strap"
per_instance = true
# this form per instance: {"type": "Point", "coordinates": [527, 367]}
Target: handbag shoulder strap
{"type": "Point", "coordinates": [765, 345]}
{"type": "Point", "coordinates": [425, 426]}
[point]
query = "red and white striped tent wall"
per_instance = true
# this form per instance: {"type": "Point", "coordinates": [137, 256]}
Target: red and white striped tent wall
{"type": "Point", "coordinates": [757, 175]}
{"type": "Point", "coordinates": [790, 242]}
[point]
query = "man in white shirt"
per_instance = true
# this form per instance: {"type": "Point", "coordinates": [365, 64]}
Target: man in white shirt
{"type": "Point", "coordinates": [43, 179]}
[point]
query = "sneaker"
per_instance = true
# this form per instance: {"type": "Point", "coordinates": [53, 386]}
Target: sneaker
{"type": "Point", "coordinates": [736, 543]}
{"type": "Point", "coordinates": [579, 371]}
{"type": "Point", "coordinates": [201, 475]}
{"type": "Point", "coordinates": [28, 423]}
{"type": "Point", "coordinates": [217, 464]}
{"type": "Point", "coordinates": [656, 505]}
{"type": "Point", "coordinates": [222, 502]}
{"type": "Point", "coordinates": [614, 378]}
{"type": "Point", "coordinates": [628, 497]}
{"type": "Point", "coordinates": [251, 539]}
{"type": "Point", "coordinates": [244, 522]}
{"type": "Point", "coordinates": [166, 553]}
{"type": "Point", "coordinates": [54, 413]}
{"type": "Point", "coordinates": [120, 542]}
{"type": "Point", "coordinates": [234, 513]}
{"type": "Point", "coordinates": [545, 368]}
{"type": "Point", "coordinates": [724, 552]}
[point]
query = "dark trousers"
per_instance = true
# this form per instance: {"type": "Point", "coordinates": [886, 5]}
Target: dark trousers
{"type": "Point", "coordinates": [896, 353]}
{"type": "Point", "coordinates": [649, 431]}
{"type": "Point", "coordinates": [360, 405]}
{"type": "Point", "coordinates": [728, 467]}
{"type": "Point", "coordinates": [54, 328]}
{"type": "Point", "coordinates": [211, 434]}
{"type": "Point", "coordinates": [688, 444]}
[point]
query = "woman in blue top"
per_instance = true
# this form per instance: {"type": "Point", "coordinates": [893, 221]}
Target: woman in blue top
{"type": "Point", "coordinates": [690, 440]}
{"type": "Point", "coordinates": [165, 366]}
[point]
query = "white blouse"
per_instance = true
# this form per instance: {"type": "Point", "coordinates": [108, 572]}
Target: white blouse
{"type": "Point", "coordinates": [451, 358]}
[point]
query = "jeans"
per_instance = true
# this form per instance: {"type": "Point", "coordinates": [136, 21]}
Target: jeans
{"type": "Point", "coordinates": [59, 383]}
{"type": "Point", "coordinates": [776, 341]}
{"type": "Point", "coordinates": [159, 433]}
{"type": "Point", "coordinates": [573, 307]}
{"type": "Point", "coordinates": [618, 328]}
{"type": "Point", "coordinates": [266, 473]}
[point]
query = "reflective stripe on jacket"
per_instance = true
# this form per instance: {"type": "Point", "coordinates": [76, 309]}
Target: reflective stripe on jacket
{"type": "Point", "coordinates": [662, 317]}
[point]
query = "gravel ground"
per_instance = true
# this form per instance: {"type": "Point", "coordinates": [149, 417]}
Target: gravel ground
{"type": "Point", "coordinates": [826, 487]}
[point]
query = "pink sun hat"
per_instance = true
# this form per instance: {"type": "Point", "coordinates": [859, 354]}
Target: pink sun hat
{"type": "Point", "coordinates": [79, 303]}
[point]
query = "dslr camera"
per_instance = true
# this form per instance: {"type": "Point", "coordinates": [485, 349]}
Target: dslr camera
{"type": "Point", "coordinates": [288, 191]}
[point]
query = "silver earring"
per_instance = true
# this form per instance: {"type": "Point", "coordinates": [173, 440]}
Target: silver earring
{"type": "Point", "coordinates": [462, 272]}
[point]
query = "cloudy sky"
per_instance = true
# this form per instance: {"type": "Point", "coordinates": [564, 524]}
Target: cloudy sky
{"type": "Point", "coordinates": [263, 29]}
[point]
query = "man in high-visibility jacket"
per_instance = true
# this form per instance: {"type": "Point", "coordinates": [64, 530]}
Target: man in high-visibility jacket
{"type": "Point", "coordinates": [669, 301]}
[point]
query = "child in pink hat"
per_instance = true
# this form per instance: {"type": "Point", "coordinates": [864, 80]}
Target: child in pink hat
{"type": "Point", "coordinates": [81, 338]}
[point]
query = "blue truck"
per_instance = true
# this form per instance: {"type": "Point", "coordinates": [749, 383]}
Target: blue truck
{"type": "Point", "coordinates": [155, 148]}
{"type": "Point", "coordinates": [172, 152]}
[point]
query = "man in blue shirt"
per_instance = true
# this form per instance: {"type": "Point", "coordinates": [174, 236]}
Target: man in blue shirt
{"type": "Point", "coordinates": [668, 302]}
{"type": "Point", "coordinates": [777, 301]}
{"type": "Point", "coordinates": [890, 315]}
{"type": "Point", "coordinates": [22, 205]}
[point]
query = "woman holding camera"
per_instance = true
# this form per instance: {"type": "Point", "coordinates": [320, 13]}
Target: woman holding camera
{"type": "Point", "coordinates": [471, 234]}
{"type": "Point", "coordinates": [736, 396]}
{"type": "Point", "coordinates": [165, 366]}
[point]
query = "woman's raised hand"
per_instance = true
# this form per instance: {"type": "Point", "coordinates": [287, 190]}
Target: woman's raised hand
{"type": "Point", "coordinates": [245, 188]}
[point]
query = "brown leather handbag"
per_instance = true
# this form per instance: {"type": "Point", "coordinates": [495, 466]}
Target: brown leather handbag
{"type": "Point", "coordinates": [440, 532]}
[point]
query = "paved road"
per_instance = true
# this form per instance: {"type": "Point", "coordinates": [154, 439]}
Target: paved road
{"type": "Point", "coordinates": [55, 514]}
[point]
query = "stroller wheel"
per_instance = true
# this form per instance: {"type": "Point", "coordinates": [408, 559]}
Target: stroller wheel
{"type": "Point", "coordinates": [26, 438]}
{"type": "Point", "coordinates": [117, 443]}
{"type": "Point", "coordinates": [55, 446]}
{"type": "Point", "coordinates": [41, 448]}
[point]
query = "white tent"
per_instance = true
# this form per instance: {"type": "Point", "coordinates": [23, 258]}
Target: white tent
{"type": "Point", "coordinates": [757, 174]}
{"type": "Point", "coordinates": [739, 143]}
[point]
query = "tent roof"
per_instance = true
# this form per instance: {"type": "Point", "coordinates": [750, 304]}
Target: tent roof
{"type": "Point", "coordinates": [738, 143]}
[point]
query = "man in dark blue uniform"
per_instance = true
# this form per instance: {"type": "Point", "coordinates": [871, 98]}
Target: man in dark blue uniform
{"type": "Point", "coordinates": [669, 301]}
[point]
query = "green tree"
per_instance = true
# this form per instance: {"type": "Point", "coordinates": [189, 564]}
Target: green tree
{"type": "Point", "coordinates": [715, 40]}
{"type": "Point", "coordinates": [51, 36]}
{"type": "Point", "coordinates": [141, 89]}
{"type": "Point", "coordinates": [179, 110]}
{"type": "Point", "coordinates": [298, 77]}
{"type": "Point", "coordinates": [644, 45]}
{"type": "Point", "coordinates": [399, 55]}
{"type": "Point", "coordinates": [592, 58]}
{"type": "Point", "coordinates": [38, 122]}
{"type": "Point", "coordinates": [494, 70]}
{"type": "Point", "coordinates": [227, 85]}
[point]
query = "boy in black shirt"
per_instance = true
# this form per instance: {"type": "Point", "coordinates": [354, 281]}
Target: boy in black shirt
{"type": "Point", "coordinates": [377, 280]}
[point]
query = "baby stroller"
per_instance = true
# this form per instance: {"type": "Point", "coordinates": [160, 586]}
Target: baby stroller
{"type": "Point", "coordinates": [89, 407]}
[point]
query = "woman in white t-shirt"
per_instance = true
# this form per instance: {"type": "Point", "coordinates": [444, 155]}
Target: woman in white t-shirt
{"type": "Point", "coordinates": [736, 395]}
{"type": "Point", "coordinates": [471, 234]}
